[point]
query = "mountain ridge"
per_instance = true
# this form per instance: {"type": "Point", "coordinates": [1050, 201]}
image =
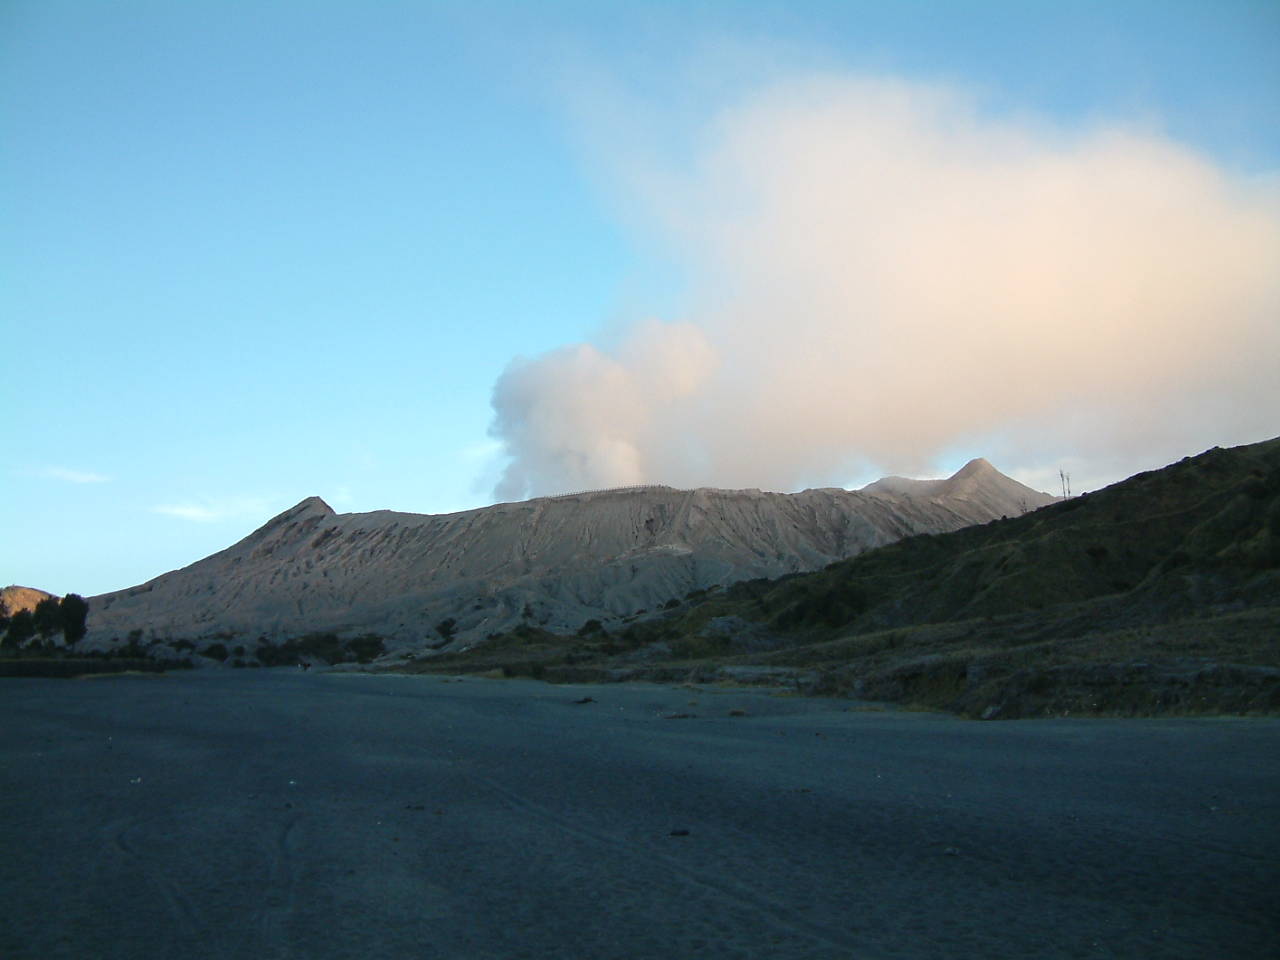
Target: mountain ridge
{"type": "Point", "coordinates": [555, 561]}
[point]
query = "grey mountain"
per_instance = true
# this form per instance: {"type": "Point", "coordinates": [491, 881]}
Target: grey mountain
{"type": "Point", "coordinates": [557, 561]}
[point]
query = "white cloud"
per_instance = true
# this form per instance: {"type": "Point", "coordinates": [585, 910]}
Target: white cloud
{"type": "Point", "coordinates": [880, 274]}
{"type": "Point", "coordinates": [579, 419]}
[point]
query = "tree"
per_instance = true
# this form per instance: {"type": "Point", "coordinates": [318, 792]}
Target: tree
{"type": "Point", "coordinates": [21, 629]}
{"type": "Point", "coordinates": [47, 618]}
{"type": "Point", "coordinates": [75, 609]}
{"type": "Point", "coordinates": [446, 627]}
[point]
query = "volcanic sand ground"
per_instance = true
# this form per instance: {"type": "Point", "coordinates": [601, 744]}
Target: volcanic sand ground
{"type": "Point", "coordinates": [270, 813]}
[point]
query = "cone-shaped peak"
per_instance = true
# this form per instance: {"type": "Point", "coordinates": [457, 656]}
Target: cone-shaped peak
{"type": "Point", "coordinates": [977, 467]}
{"type": "Point", "coordinates": [980, 482]}
{"type": "Point", "coordinates": [316, 505]}
{"type": "Point", "coordinates": [310, 507]}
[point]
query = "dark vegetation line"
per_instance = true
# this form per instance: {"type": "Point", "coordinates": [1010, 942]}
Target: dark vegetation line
{"type": "Point", "coordinates": [29, 646]}
{"type": "Point", "coordinates": [48, 659]}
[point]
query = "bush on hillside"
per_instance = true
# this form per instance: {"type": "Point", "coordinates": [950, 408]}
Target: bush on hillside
{"type": "Point", "coordinates": [74, 609]}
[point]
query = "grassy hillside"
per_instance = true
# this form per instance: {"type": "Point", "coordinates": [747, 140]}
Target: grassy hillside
{"type": "Point", "coordinates": [1160, 594]}
{"type": "Point", "coordinates": [1202, 535]}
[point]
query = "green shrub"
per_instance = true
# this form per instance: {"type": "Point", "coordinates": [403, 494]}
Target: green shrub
{"type": "Point", "coordinates": [364, 649]}
{"type": "Point", "coordinates": [592, 628]}
{"type": "Point", "coordinates": [132, 648]}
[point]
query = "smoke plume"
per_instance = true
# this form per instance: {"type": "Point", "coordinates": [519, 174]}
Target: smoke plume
{"type": "Point", "coordinates": [880, 274]}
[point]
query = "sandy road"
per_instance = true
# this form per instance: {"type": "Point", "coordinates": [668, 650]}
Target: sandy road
{"type": "Point", "coordinates": [265, 814]}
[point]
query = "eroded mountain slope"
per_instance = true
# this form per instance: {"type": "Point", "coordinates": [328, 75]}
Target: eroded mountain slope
{"type": "Point", "coordinates": [555, 561]}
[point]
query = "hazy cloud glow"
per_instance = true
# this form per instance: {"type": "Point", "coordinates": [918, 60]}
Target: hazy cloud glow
{"type": "Point", "coordinates": [70, 476]}
{"type": "Point", "coordinates": [215, 509]}
{"type": "Point", "coordinates": [882, 274]}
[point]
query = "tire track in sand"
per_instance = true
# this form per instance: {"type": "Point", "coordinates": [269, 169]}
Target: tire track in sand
{"type": "Point", "coordinates": [779, 914]}
{"type": "Point", "coordinates": [191, 926]}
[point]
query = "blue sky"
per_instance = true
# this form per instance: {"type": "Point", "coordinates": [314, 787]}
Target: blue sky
{"type": "Point", "coordinates": [251, 252]}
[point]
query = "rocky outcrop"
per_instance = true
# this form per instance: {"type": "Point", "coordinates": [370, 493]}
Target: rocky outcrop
{"type": "Point", "coordinates": [554, 561]}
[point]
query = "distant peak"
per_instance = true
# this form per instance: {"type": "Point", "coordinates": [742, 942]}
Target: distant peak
{"type": "Point", "coordinates": [310, 507]}
{"type": "Point", "coordinates": [14, 598]}
{"type": "Point", "coordinates": [977, 467]}
{"type": "Point", "coordinates": [316, 505]}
